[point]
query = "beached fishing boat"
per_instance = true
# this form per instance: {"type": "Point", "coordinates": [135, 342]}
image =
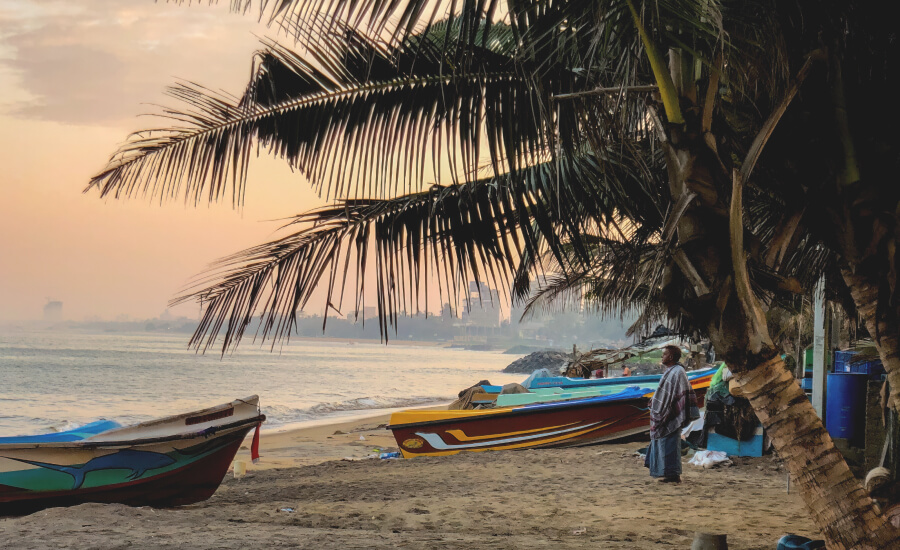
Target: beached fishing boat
{"type": "Point", "coordinates": [166, 462]}
{"type": "Point", "coordinates": [569, 390]}
{"type": "Point", "coordinates": [554, 424]}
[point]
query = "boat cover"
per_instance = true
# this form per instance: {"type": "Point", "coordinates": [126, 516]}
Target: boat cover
{"type": "Point", "coordinates": [538, 374]}
{"type": "Point", "coordinates": [632, 392]}
{"type": "Point", "coordinates": [75, 434]}
{"type": "Point", "coordinates": [566, 382]}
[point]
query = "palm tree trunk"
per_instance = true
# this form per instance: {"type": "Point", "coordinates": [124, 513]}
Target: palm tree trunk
{"type": "Point", "coordinates": [882, 324]}
{"type": "Point", "coordinates": [735, 323]}
{"type": "Point", "coordinates": [836, 500]}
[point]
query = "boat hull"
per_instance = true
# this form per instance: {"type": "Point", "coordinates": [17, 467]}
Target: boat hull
{"type": "Point", "coordinates": [160, 471]}
{"type": "Point", "coordinates": [560, 424]}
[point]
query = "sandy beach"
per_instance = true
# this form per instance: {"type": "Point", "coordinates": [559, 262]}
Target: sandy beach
{"type": "Point", "coordinates": [315, 488]}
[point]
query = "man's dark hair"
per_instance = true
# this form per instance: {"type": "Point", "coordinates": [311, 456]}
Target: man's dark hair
{"type": "Point", "coordinates": [675, 351]}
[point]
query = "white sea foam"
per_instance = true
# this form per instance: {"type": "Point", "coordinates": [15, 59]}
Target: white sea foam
{"type": "Point", "coordinates": [277, 416]}
{"type": "Point", "coordinates": [63, 426]}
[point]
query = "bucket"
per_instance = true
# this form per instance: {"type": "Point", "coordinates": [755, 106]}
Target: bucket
{"type": "Point", "coordinates": [240, 468]}
{"type": "Point", "coordinates": [845, 407]}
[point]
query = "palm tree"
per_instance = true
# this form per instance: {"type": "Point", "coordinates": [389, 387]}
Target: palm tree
{"type": "Point", "coordinates": [845, 153]}
{"type": "Point", "coordinates": [588, 131]}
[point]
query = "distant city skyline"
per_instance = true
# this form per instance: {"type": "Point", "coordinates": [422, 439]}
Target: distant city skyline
{"type": "Point", "coordinates": [492, 306]}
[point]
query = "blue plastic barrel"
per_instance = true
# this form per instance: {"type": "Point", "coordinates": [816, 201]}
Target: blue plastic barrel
{"type": "Point", "coordinates": [845, 407]}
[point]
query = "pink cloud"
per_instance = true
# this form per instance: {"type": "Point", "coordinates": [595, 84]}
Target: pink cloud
{"type": "Point", "coordinates": [97, 62]}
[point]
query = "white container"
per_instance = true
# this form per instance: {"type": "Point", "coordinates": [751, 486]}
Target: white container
{"type": "Point", "coordinates": [240, 468]}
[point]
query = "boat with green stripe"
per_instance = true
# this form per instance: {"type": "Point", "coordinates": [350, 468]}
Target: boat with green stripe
{"type": "Point", "coordinates": [171, 461]}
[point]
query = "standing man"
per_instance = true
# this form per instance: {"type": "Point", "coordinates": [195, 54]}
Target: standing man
{"type": "Point", "coordinates": [674, 406]}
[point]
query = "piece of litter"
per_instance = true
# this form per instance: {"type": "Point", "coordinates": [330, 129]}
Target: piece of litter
{"type": "Point", "coordinates": [288, 510]}
{"type": "Point", "coordinates": [709, 459]}
{"type": "Point", "coordinates": [580, 531]}
{"type": "Point", "coordinates": [362, 438]}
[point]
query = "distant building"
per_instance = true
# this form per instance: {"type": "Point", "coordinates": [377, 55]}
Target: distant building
{"type": "Point", "coordinates": [447, 312]}
{"type": "Point", "coordinates": [478, 287]}
{"type": "Point", "coordinates": [480, 309]}
{"type": "Point", "coordinates": [53, 311]}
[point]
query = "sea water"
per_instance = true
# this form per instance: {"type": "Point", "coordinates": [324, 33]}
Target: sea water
{"type": "Point", "coordinates": [55, 380]}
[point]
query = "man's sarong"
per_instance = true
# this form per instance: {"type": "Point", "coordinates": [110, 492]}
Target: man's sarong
{"type": "Point", "coordinates": [664, 456]}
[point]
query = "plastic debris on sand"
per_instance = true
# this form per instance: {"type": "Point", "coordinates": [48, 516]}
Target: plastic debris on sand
{"type": "Point", "coordinates": [709, 459]}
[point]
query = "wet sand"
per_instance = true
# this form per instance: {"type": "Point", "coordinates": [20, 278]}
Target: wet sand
{"type": "Point", "coordinates": [315, 488]}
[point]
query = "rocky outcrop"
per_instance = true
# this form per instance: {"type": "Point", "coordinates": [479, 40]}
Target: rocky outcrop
{"type": "Point", "coordinates": [522, 349]}
{"type": "Point", "coordinates": [552, 360]}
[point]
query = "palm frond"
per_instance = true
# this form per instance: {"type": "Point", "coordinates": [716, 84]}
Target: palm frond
{"type": "Point", "coordinates": [472, 231]}
{"type": "Point", "coordinates": [358, 118]}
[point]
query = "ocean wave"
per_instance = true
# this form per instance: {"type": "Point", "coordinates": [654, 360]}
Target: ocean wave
{"type": "Point", "coordinates": [278, 415]}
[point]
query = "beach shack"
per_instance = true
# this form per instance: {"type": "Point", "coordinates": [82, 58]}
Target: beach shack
{"type": "Point", "coordinates": [853, 411]}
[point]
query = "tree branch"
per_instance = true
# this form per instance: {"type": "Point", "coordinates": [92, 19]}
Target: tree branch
{"type": "Point", "coordinates": [691, 273]}
{"type": "Point", "coordinates": [759, 337]}
{"type": "Point", "coordinates": [763, 136]}
{"type": "Point", "coordinates": [608, 90]}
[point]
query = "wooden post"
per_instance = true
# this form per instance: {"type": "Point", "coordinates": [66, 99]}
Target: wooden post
{"type": "Point", "coordinates": [819, 349]}
{"type": "Point", "coordinates": [801, 356]}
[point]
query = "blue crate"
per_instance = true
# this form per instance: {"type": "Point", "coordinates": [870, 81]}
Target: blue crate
{"type": "Point", "coordinates": [733, 447]}
{"type": "Point", "coordinates": [872, 368]}
{"type": "Point", "coordinates": [844, 356]}
{"type": "Point", "coordinates": [843, 363]}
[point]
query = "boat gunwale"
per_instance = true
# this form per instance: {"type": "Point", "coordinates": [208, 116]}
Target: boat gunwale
{"type": "Point", "coordinates": [88, 444]}
{"type": "Point", "coordinates": [252, 401]}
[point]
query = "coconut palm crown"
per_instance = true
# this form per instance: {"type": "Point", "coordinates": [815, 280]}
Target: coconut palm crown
{"type": "Point", "coordinates": [369, 120]}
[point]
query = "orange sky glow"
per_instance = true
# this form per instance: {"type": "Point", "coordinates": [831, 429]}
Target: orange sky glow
{"type": "Point", "coordinates": [74, 77]}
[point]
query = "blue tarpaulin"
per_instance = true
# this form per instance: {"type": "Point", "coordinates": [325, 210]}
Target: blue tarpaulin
{"type": "Point", "coordinates": [75, 434]}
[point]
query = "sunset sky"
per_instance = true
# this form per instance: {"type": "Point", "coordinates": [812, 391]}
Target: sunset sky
{"type": "Point", "coordinates": [74, 77]}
